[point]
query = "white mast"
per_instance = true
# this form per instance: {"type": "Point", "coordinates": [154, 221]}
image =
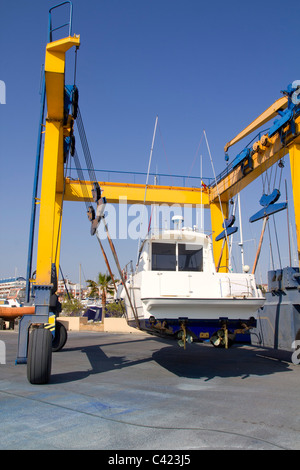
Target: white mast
{"type": "Point", "coordinates": [146, 186]}
{"type": "Point", "coordinates": [241, 244]}
{"type": "Point", "coordinates": [201, 210]}
{"type": "Point", "coordinates": [79, 281]}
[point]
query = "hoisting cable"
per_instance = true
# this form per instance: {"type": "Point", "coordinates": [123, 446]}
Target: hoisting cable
{"type": "Point", "coordinates": [85, 147]}
{"type": "Point", "coordinates": [81, 178]}
{"type": "Point", "coordinates": [62, 275]}
{"type": "Point", "coordinates": [86, 199]}
{"type": "Point", "coordinates": [271, 249]}
{"type": "Point", "coordinates": [75, 65]}
{"type": "Point", "coordinates": [60, 215]}
{"type": "Point", "coordinates": [110, 271]}
{"type": "Point", "coordinates": [120, 270]}
{"type": "Point", "coordinates": [277, 243]}
{"type": "Point", "coordinates": [92, 175]}
{"type": "Point", "coordinates": [281, 166]}
{"type": "Point", "coordinates": [93, 215]}
{"type": "Point", "coordinates": [231, 257]}
{"type": "Point", "coordinates": [260, 244]}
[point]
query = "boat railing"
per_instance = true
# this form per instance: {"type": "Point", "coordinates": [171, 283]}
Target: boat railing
{"type": "Point", "coordinates": [230, 284]}
{"type": "Point", "coordinates": [128, 269]}
{"type": "Point", "coordinates": [166, 232]}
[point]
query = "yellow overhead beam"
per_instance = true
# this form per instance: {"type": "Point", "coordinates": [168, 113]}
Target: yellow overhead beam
{"type": "Point", "coordinates": [135, 193]}
{"type": "Point", "coordinates": [267, 151]}
{"type": "Point", "coordinates": [268, 114]}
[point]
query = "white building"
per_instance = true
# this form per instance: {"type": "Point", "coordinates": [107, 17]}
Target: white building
{"type": "Point", "coordinates": [10, 287]}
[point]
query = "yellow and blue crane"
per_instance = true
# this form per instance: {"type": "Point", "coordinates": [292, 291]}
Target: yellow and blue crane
{"type": "Point", "coordinates": [58, 128]}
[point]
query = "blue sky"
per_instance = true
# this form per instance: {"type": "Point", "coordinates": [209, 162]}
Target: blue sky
{"type": "Point", "coordinates": [197, 65]}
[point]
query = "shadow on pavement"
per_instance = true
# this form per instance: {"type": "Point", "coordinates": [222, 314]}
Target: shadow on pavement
{"type": "Point", "coordinates": [197, 361]}
{"type": "Point", "coordinates": [205, 361]}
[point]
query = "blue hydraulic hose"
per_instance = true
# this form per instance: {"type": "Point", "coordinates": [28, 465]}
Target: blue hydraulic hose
{"type": "Point", "coordinates": [35, 190]}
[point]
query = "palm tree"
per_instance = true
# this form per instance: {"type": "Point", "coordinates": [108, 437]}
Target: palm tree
{"type": "Point", "coordinates": [105, 287]}
{"type": "Point", "coordinates": [94, 289]}
{"type": "Point", "coordinates": [100, 288]}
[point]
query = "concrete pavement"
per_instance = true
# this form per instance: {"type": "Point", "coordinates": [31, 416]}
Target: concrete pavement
{"type": "Point", "coordinates": [135, 392]}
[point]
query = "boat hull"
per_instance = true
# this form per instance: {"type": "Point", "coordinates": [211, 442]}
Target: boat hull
{"type": "Point", "coordinates": [197, 309]}
{"type": "Point", "coordinates": [196, 296]}
{"type": "Point", "coordinates": [197, 329]}
{"type": "Point", "coordinates": [176, 286]}
{"type": "Point", "coordinates": [200, 317]}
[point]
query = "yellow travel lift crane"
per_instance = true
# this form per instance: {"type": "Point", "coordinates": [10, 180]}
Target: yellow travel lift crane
{"type": "Point", "coordinates": [35, 337]}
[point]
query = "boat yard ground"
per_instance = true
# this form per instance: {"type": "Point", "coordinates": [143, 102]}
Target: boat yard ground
{"type": "Point", "coordinates": [137, 392]}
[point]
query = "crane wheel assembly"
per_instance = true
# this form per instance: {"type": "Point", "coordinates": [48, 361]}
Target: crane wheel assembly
{"type": "Point", "coordinates": [60, 337]}
{"type": "Point", "coordinates": [39, 356]}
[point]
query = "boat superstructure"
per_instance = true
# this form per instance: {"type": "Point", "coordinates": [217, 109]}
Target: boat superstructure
{"type": "Point", "coordinates": [176, 285]}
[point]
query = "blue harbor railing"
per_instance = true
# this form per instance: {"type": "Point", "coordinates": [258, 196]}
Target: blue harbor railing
{"type": "Point", "coordinates": [137, 177]}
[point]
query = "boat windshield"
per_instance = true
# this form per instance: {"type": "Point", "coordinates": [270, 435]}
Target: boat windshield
{"type": "Point", "coordinates": [190, 257]}
{"type": "Point", "coordinates": [163, 256]}
{"type": "Point", "coordinates": [177, 256]}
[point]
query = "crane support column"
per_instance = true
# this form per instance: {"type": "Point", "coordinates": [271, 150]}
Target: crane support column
{"type": "Point", "coordinates": [294, 151]}
{"type": "Point", "coordinates": [218, 214]}
{"type": "Point", "coordinates": [53, 164]}
{"type": "Point", "coordinates": [51, 203]}
{"type": "Point", "coordinates": [59, 125]}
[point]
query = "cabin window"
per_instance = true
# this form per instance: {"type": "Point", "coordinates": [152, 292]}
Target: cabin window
{"type": "Point", "coordinates": [163, 256]}
{"type": "Point", "coordinates": [190, 257]}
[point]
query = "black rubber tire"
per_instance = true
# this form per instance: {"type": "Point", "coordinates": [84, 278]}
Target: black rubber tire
{"type": "Point", "coordinates": [39, 357]}
{"type": "Point", "coordinates": [60, 337]}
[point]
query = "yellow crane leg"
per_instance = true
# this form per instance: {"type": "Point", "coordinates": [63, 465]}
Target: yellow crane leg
{"type": "Point", "coordinates": [220, 250]}
{"type": "Point", "coordinates": [51, 202]}
{"type": "Point", "coordinates": [294, 151]}
{"type": "Point", "coordinates": [52, 187]}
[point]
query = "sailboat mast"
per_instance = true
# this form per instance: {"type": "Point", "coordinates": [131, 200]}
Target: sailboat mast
{"type": "Point", "coordinates": [241, 244]}
{"type": "Point", "coordinates": [79, 281]}
{"type": "Point", "coordinates": [201, 210]}
{"type": "Point", "coordinates": [146, 186]}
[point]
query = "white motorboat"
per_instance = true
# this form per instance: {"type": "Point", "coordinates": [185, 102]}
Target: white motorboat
{"type": "Point", "coordinates": [176, 289]}
{"type": "Point", "coordinates": [6, 302]}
